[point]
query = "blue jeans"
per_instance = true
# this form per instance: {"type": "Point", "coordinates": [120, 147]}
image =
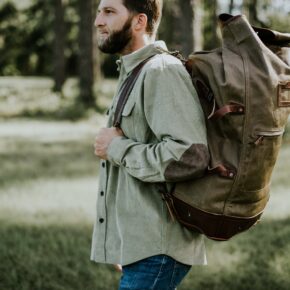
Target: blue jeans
{"type": "Point", "coordinates": [154, 273]}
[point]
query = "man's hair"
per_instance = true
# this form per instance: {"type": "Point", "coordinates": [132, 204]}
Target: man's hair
{"type": "Point", "coordinates": [152, 8]}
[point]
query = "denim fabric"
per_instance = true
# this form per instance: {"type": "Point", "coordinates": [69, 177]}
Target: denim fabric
{"type": "Point", "coordinates": [159, 272]}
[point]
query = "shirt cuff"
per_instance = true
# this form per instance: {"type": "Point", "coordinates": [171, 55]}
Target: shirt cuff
{"type": "Point", "coordinates": [117, 149]}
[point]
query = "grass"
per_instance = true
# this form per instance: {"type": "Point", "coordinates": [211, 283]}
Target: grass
{"type": "Point", "coordinates": [50, 257]}
{"type": "Point", "coordinates": [48, 185]}
{"type": "Point", "coordinates": [50, 149]}
{"type": "Point", "coordinates": [254, 260]}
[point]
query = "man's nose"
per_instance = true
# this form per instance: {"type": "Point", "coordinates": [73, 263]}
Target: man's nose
{"type": "Point", "coordinates": [99, 21]}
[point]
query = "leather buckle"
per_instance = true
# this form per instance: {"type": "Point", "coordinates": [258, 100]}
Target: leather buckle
{"type": "Point", "coordinates": [283, 95]}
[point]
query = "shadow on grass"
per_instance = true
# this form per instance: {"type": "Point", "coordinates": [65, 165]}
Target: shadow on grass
{"type": "Point", "coordinates": [57, 257]}
{"type": "Point", "coordinates": [73, 112]}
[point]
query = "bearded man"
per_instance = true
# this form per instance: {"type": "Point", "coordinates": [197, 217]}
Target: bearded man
{"type": "Point", "coordinates": [161, 140]}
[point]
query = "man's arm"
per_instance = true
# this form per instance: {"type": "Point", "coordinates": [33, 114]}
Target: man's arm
{"type": "Point", "coordinates": [175, 117]}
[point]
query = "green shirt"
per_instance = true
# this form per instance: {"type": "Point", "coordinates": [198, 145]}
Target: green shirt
{"type": "Point", "coordinates": [165, 141]}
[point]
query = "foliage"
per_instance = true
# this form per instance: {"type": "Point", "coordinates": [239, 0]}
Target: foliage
{"type": "Point", "coordinates": [28, 37]}
{"type": "Point", "coordinates": [10, 39]}
{"type": "Point", "coordinates": [27, 34]}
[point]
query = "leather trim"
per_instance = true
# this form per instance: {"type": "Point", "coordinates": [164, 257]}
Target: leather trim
{"type": "Point", "coordinates": [223, 171]}
{"type": "Point", "coordinates": [215, 226]}
{"type": "Point", "coordinates": [283, 94]}
{"type": "Point", "coordinates": [232, 108]}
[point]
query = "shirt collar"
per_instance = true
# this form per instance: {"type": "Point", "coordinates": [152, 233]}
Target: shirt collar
{"type": "Point", "coordinates": [130, 61]}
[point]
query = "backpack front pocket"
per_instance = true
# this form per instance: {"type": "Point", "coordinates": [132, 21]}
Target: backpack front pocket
{"type": "Point", "coordinates": [258, 161]}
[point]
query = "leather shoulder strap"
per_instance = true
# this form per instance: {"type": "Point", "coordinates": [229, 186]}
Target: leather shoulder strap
{"type": "Point", "coordinates": [125, 91]}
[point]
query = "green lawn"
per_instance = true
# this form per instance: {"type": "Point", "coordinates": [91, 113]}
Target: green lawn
{"type": "Point", "coordinates": [48, 185]}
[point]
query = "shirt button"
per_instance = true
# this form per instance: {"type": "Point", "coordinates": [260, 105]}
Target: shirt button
{"type": "Point", "coordinates": [102, 193]}
{"type": "Point", "coordinates": [103, 164]}
{"type": "Point", "coordinates": [101, 220]}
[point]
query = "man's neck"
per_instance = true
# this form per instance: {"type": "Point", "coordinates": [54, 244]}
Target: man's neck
{"type": "Point", "coordinates": [137, 43]}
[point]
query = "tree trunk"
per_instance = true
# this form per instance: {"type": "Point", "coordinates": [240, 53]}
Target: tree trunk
{"type": "Point", "coordinates": [59, 46]}
{"type": "Point", "coordinates": [86, 60]}
{"type": "Point", "coordinates": [214, 41]}
{"type": "Point", "coordinates": [250, 8]}
{"type": "Point", "coordinates": [197, 25]}
{"type": "Point", "coordinates": [231, 6]}
{"type": "Point", "coordinates": [183, 26]}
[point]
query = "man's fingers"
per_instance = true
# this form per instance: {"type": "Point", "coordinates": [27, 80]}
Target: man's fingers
{"type": "Point", "coordinates": [119, 131]}
{"type": "Point", "coordinates": [103, 139]}
{"type": "Point", "coordinates": [118, 267]}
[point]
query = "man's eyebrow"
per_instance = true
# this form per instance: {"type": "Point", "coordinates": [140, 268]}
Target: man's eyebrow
{"type": "Point", "coordinates": [106, 7]}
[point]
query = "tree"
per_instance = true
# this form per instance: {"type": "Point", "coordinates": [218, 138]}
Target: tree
{"type": "Point", "coordinates": [210, 28]}
{"type": "Point", "coordinates": [250, 8]}
{"type": "Point", "coordinates": [59, 45]}
{"type": "Point", "coordinates": [231, 6]}
{"type": "Point", "coordinates": [186, 26]}
{"type": "Point", "coordinates": [197, 25]}
{"type": "Point", "coordinates": [86, 61]}
{"type": "Point", "coordinates": [9, 36]}
{"type": "Point", "coordinates": [182, 14]}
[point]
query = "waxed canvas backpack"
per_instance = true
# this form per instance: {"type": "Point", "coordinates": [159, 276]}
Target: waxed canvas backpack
{"type": "Point", "coordinates": [244, 89]}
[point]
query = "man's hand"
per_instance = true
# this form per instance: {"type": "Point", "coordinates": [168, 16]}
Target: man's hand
{"type": "Point", "coordinates": [103, 140]}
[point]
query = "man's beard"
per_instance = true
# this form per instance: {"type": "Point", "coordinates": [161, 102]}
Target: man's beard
{"type": "Point", "coordinates": [118, 40]}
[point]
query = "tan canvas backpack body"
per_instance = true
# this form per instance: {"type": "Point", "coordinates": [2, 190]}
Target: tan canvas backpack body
{"type": "Point", "coordinates": [244, 88]}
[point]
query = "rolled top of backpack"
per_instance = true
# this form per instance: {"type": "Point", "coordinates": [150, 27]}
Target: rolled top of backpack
{"type": "Point", "coordinates": [268, 36]}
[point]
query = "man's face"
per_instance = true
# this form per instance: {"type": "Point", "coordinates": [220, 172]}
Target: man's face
{"type": "Point", "coordinates": [113, 24]}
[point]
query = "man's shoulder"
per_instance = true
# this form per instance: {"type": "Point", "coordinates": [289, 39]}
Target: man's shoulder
{"type": "Point", "coordinates": [164, 61]}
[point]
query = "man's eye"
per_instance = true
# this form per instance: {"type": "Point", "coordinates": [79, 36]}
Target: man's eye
{"type": "Point", "coordinates": [108, 11]}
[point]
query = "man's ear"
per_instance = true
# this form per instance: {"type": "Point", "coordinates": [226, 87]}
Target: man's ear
{"type": "Point", "coordinates": [140, 22]}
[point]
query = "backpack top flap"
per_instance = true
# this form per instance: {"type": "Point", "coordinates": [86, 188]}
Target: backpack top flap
{"type": "Point", "coordinates": [249, 70]}
{"type": "Point", "coordinates": [267, 74]}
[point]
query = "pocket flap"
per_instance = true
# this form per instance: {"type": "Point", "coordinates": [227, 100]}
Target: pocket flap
{"type": "Point", "coordinates": [128, 109]}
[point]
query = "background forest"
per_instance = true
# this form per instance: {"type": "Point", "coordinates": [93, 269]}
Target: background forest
{"type": "Point", "coordinates": [56, 38]}
{"type": "Point", "coordinates": [54, 89]}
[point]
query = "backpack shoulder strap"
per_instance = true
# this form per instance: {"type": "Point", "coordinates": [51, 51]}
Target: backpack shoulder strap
{"type": "Point", "coordinates": [125, 91]}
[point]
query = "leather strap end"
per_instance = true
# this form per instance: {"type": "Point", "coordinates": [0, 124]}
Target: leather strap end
{"type": "Point", "coordinates": [223, 171]}
{"type": "Point", "coordinates": [232, 108]}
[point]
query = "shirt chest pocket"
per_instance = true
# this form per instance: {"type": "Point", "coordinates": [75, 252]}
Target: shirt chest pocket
{"type": "Point", "coordinates": [128, 119]}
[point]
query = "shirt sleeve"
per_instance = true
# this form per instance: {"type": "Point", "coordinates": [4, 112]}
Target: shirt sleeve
{"type": "Point", "coordinates": [175, 117]}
